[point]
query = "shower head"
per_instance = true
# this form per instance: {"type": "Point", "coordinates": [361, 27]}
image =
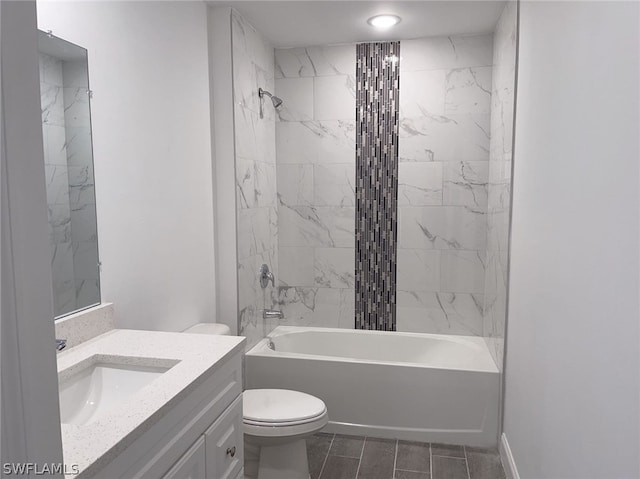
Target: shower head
{"type": "Point", "coordinates": [277, 102]}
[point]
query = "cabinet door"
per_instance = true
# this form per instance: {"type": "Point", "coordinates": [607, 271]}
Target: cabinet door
{"type": "Point", "coordinates": [192, 464]}
{"type": "Point", "coordinates": [224, 444]}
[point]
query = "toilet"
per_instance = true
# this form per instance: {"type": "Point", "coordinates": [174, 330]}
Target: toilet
{"type": "Point", "coordinates": [276, 424]}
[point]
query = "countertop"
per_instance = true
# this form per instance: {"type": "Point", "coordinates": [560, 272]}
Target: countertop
{"type": "Point", "coordinates": [196, 356]}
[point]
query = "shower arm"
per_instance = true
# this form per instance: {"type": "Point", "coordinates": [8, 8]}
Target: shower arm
{"type": "Point", "coordinates": [261, 94]}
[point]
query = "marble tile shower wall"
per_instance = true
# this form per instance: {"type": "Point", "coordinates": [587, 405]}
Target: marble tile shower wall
{"type": "Point", "coordinates": [56, 170]}
{"type": "Point", "coordinates": [70, 191]}
{"type": "Point", "coordinates": [315, 143]}
{"type": "Point", "coordinates": [255, 159]}
{"type": "Point", "coordinates": [445, 117]}
{"type": "Point", "coordinates": [499, 199]}
{"type": "Point", "coordinates": [82, 202]}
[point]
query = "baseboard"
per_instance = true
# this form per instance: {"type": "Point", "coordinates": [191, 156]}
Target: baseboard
{"type": "Point", "coordinates": [509, 464]}
{"type": "Point", "coordinates": [474, 438]}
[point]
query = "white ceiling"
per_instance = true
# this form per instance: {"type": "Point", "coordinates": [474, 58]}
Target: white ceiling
{"type": "Point", "coordinates": [304, 23]}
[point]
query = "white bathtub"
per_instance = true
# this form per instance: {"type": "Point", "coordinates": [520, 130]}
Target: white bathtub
{"type": "Point", "coordinates": [423, 387]}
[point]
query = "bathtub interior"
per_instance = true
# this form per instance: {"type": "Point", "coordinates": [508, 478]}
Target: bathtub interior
{"type": "Point", "coordinates": [421, 349]}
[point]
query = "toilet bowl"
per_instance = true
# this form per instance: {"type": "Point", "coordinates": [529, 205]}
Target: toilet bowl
{"type": "Point", "coordinates": [276, 423]}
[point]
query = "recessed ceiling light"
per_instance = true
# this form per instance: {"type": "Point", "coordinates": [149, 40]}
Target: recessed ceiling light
{"type": "Point", "coordinates": [383, 21]}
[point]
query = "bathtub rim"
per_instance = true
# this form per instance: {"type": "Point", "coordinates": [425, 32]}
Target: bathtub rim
{"type": "Point", "coordinates": [261, 349]}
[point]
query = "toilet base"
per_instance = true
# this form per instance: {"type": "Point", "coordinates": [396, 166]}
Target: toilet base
{"type": "Point", "coordinates": [283, 461]}
{"type": "Point", "coordinates": [251, 459]}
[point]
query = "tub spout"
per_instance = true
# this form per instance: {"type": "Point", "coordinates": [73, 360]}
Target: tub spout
{"type": "Point", "coordinates": [272, 314]}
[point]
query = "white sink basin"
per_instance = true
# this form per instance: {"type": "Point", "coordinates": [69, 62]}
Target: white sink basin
{"type": "Point", "coordinates": [95, 389]}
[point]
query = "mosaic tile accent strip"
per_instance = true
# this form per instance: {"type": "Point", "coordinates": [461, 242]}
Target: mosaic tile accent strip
{"type": "Point", "coordinates": [377, 120]}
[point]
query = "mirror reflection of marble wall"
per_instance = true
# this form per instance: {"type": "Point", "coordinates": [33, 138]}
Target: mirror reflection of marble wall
{"type": "Point", "coordinates": [66, 128]}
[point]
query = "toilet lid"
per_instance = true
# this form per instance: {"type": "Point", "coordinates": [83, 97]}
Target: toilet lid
{"type": "Point", "coordinates": [280, 406]}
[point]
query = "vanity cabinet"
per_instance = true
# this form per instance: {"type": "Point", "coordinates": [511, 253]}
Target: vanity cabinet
{"type": "Point", "coordinates": [199, 437]}
{"type": "Point", "coordinates": [218, 453]}
{"type": "Point", "coordinates": [192, 465]}
{"type": "Point", "coordinates": [224, 444]}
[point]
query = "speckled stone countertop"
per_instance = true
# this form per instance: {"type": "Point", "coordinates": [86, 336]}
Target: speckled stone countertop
{"type": "Point", "coordinates": [192, 357]}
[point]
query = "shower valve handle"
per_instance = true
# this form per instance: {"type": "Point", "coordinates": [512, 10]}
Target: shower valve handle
{"type": "Point", "coordinates": [266, 276]}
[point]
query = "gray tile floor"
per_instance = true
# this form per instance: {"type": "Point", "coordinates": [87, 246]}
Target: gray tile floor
{"type": "Point", "coordinates": [353, 457]}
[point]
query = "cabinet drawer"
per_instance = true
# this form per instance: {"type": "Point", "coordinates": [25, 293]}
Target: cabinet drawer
{"type": "Point", "coordinates": [224, 444]}
{"type": "Point", "coordinates": [191, 465]}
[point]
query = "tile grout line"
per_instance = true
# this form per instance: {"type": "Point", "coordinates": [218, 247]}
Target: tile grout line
{"type": "Point", "coordinates": [324, 463]}
{"type": "Point", "coordinates": [466, 461]}
{"type": "Point", "coordinates": [425, 472]}
{"type": "Point", "coordinates": [360, 460]}
{"type": "Point", "coordinates": [430, 461]}
{"type": "Point", "coordinates": [395, 461]}
{"type": "Point", "coordinates": [448, 457]}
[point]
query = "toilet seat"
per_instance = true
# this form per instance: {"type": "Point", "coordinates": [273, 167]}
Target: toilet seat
{"type": "Point", "coordinates": [281, 406]}
{"type": "Point", "coordinates": [283, 424]}
{"type": "Point", "coordinates": [281, 412]}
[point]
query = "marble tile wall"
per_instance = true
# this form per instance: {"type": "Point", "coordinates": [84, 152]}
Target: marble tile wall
{"type": "Point", "coordinates": [445, 119]}
{"type": "Point", "coordinates": [56, 170]}
{"type": "Point", "coordinates": [70, 186]}
{"type": "Point", "coordinates": [82, 203]}
{"type": "Point", "coordinates": [315, 144]}
{"type": "Point", "coordinates": [499, 190]}
{"type": "Point", "coordinates": [452, 200]}
{"type": "Point", "coordinates": [445, 125]}
{"type": "Point", "coordinates": [255, 160]}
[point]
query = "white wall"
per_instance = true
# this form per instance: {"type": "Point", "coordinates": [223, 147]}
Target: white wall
{"type": "Point", "coordinates": [223, 139]}
{"type": "Point", "coordinates": [148, 68]}
{"type": "Point", "coordinates": [572, 370]}
{"type": "Point", "coordinates": [2, 239]}
{"type": "Point", "coordinates": [30, 412]}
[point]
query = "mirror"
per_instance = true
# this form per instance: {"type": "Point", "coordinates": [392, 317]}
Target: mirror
{"type": "Point", "coordinates": [68, 157]}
